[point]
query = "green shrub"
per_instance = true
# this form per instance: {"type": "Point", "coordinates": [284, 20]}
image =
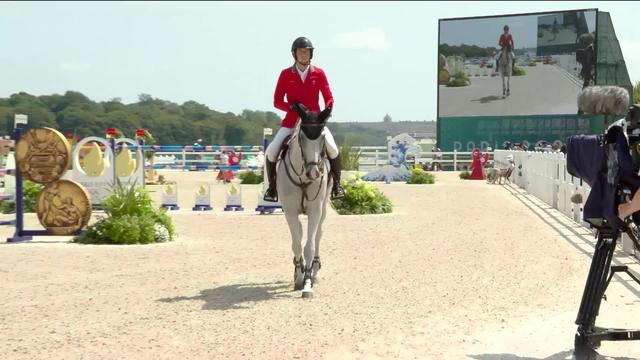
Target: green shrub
{"type": "Point", "coordinates": [362, 198]}
{"type": "Point", "coordinates": [518, 71]}
{"type": "Point", "coordinates": [250, 177]}
{"type": "Point", "coordinates": [7, 207]}
{"type": "Point", "coordinates": [459, 79]}
{"type": "Point", "coordinates": [132, 219]}
{"type": "Point", "coordinates": [31, 191]}
{"type": "Point", "coordinates": [532, 63]}
{"type": "Point", "coordinates": [419, 176]}
{"type": "Point", "coordinates": [349, 157]}
{"type": "Point", "coordinates": [464, 175]}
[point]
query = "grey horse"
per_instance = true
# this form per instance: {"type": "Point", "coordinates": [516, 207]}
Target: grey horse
{"type": "Point", "coordinates": [304, 186]}
{"type": "Point", "coordinates": [505, 68]}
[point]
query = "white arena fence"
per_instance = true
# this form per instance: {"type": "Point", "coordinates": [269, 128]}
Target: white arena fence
{"type": "Point", "coordinates": [371, 158]}
{"type": "Point", "coordinates": [544, 175]}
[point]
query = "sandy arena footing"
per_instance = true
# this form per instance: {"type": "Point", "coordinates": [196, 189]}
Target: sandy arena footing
{"type": "Point", "coordinates": [460, 269]}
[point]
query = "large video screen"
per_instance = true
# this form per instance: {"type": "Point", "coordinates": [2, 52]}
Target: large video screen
{"type": "Point", "coordinates": [530, 64]}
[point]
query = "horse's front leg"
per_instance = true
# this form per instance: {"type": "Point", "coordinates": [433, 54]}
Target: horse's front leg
{"type": "Point", "coordinates": [295, 227]}
{"type": "Point", "coordinates": [316, 259]}
{"type": "Point", "coordinates": [314, 216]}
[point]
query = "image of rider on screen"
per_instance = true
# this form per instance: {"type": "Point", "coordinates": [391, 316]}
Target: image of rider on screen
{"type": "Point", "coordinates": [507, 40]}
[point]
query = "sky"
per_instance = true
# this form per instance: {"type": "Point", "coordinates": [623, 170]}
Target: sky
{"type": "Point", "coordinates": [379, 57]}
{"type": "Point", "coordinates": [485, 32]}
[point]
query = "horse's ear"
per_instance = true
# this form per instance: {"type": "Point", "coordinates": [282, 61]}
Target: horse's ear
{"type": "Point", "coordinates": [326, 113]}
{"type": "Point", "coordinates": [300, 109]}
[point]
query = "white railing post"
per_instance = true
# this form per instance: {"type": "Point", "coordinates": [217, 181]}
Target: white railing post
{"type": "Point", "coordinates": [455, 160]}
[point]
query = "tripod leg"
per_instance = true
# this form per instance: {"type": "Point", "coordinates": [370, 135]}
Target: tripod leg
{"type": "Point", "coordinates": [596, 281]}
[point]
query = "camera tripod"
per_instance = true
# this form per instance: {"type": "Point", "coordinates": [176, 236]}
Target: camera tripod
{"type": "Point", "coordinates": [588, 336]}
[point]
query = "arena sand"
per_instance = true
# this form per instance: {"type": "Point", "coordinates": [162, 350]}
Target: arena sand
{"type": "Point", "coordinates": [460, 269]}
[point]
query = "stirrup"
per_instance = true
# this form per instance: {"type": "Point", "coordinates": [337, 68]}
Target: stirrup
{"type": "Point", "coordinates": [338, 193]}
{"type": "Point", "coordinates": [270, 196]}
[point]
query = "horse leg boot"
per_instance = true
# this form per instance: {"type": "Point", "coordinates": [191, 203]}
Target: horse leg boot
{"type": "Point", "coordinates": [271, 194]}
{"type": "Point", "coordinates": [298, 273]}
{"type": "Point", "coordinates": [337, 191]}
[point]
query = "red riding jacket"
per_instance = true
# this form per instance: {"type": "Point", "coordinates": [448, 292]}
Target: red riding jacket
{"type": "Point", "coordinates": [307, 93]}
{"type": "Point", "coordinates": [506, 39]}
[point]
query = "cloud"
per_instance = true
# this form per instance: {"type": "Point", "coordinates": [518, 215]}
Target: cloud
{"type": "Point", "coordinates": [631, 53]}
{"type": "Point", "coordinates": [630, 49]}
{"type": "Point", "coordinates": [75, 66]}
{"type": "Point", "coordinates": [369, 39]}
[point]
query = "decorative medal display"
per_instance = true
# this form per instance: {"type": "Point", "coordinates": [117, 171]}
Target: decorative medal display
{"type": "Point", "coordinates": [63, 207]}
{"type": "Point", "coordinates": [43, 155]}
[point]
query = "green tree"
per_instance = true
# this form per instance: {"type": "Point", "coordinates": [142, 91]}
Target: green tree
{"type": "Point", "coordinates": [234, 134]}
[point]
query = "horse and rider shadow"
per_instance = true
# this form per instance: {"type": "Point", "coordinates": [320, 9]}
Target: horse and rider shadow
{"type": "Point", "coordinates": [228, 297]}
{"type": "Point", "coordinates": [487, 99]}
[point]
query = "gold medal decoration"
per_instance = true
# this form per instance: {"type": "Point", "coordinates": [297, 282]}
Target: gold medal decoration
{"type": "Point", "coordinates": [63, 207]}
{"type": "Point", "coordinates": [43, 155]}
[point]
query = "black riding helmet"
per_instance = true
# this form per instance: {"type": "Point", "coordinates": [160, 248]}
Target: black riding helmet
{"type": "Point", "coordinates": [301, 43]}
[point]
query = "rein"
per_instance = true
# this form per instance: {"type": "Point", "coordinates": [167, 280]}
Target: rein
{"type": "Point", "coordinates": [301, 184]}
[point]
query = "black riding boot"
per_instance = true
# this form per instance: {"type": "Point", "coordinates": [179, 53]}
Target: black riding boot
{"type": "Point", "coordinates": [271, 194]}
{"type": "Point", "coordinates": [337, 191]}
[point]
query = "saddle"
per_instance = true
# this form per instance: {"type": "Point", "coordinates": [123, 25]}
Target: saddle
{"type": "Point", "coordinates": [284, 147]}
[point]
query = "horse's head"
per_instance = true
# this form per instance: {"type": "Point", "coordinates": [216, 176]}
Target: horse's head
{"type": "Point", "coordinates": [310, 137]}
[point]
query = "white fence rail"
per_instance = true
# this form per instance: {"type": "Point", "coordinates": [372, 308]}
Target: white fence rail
{"type": "Point", "coordinates": [373, 157]}
{"type": "Point", "coordinates": [545, 176]}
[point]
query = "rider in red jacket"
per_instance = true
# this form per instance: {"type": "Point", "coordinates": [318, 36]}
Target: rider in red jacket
{"type": "Point", "coordinates": [507, 40]}
{"type": "Point", "coordinates": [301, 83]}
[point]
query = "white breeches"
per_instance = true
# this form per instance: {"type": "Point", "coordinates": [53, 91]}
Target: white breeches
{"type": "Point", "coordinates": [274, 147]}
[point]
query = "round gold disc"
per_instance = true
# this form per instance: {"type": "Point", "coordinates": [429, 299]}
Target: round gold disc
{"type": "Point", "coordinates": [43, 155]}
{"type": "Point", "coordinates": [63, 207]}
